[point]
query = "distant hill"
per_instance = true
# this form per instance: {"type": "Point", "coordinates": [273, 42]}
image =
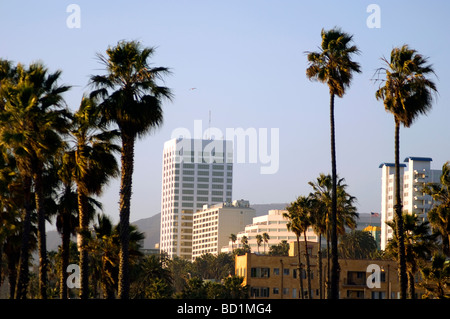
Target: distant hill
{"type": "Point", "coordinates": [151, 226]}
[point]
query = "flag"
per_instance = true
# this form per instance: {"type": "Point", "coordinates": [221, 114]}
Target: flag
{"type": "Point", "coordinates": [374, 214]}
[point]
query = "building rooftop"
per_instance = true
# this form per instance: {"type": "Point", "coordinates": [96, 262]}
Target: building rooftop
{"type": "Point", "coordinates": [390, 165]}
{"type": "Point", "coordinates": [422, 159]}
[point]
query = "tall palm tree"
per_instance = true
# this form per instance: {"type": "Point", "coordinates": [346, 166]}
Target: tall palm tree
{"type": "Point", "coordinates": [333, 65]}
{"type": "Point", "coordinates": [33, 119]}
{"type": "Point", "coordinates": [132, 100]}
{"type": "Point", "coordinates": [439, 215]}
{"type": "Point", "coordinates": [92, 164]}
{"type": "Point", "coordinates": [407, 93]}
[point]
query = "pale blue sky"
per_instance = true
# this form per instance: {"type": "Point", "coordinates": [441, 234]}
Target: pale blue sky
{"type": "Point", "coordinates": [247, 61]}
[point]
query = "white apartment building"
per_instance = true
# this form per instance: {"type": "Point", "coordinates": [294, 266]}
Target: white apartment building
{"type": "Point", "coordinates": [274, 224]}
{"type": "Point", "coordinates": [195, 173]}
{"type": "Point", "coordinates": [413, 176]}
{"type": "Point", "coordinates": [214, 224]}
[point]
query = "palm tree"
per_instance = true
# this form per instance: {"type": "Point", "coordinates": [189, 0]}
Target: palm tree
{"type": "Point", "coordinates": [105, 249]}
{"type": "Point", "coordinates": [67, 214]}
{"type": "Point", "coordinates": [439, 215]}
{"type": "Point", "coordinates": [233, 239]}
{"type": "Point", "coordinates": [299, 215]}
{"type": "Point", "coordinates": [436, 277]}
{"type": "Point", "coordinates": [93, 164]}
{"type": "Point", "coordinates": [265, 238]}
{"type": "Point", "coordinates": [407, 93]}
{"type": "Point", "coordinates": [259, 240]}
{"type": "Point", "coordinates": [346, 211]}
{"type": "Point", "coordinates": [333, 65]}
{"type": "Point", "coordinates": [33, 118]}
{"type": "Point", "coordinates": [419, 245]}
{"type": "Point", "coordinates": [132, 99]}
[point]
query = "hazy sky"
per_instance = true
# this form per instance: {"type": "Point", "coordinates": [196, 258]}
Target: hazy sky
{"type": "Point", "coordinates": [247, 61]}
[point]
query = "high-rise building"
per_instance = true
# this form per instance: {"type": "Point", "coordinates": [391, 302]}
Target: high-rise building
{"type": "Point", "coordinates": [413, 176]}
{"type": "Point", "coordinates": [215, 223]}
{"type": "Point", "coordinates": [195, 172]}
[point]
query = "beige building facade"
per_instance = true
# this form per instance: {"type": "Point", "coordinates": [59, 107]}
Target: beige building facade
{"type": "Point", "coordinates": [277, 277]}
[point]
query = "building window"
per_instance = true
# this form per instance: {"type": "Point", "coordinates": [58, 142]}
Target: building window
{"type": "Point", "coordinates": [259, 272]}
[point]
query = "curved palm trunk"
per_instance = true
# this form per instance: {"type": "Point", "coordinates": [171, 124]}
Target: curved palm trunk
{"type": "Point", "coordinates": [398, 217]}
{"type": "Point", "coordinates": [308, 266]}
{"type": "Point", "coordinates": [23, 276]}
{"type": "Point", "coordinates": [334, 292]}
{"type": "Point", "coordinates": [82, 234]}
{"type": "Point", "coordinates": [42, 239]}
{"type": "Point", "coordinates": [127, 161]}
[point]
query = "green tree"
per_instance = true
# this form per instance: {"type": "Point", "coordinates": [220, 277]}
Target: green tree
{"type": "Point", "coordinates": [357, 244]}
{"type": "Point", "coordinates": [281, 249]}
{"type": "Point", "coordinates": [299, 215]}
{"type": "Point", "coordinates": [132, 100]}
{"type": "Point", "coordinates": [33, 120]}
{"type": "Point", "coordinates": [439, 215]}
{"type": "Point", "coordinates": [333, 65]}
{"type": "Point", "coordinates": [259, 241]}
{"type": "Point", "coordinates": [407, 92]}
{"type": "Point", "coordinates": [418, 242]}
{"type": "Point", "coordinates": [152, 278]}
{"type": "Point", "coordinates": [104, 247]}
{"type": "Point", "coordinates": [436, 277]}
{"type": "Point", "coordinates": [346, 211]}
{"type": "Point", "coordinates": [265, 238]}
{"type": "Point", "coordinates": [91, 163]}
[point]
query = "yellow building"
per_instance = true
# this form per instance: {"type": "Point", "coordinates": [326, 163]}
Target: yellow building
{"type": "Point", "coordinates": [277, 277]}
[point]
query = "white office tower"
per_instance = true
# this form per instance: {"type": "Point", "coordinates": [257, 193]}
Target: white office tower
{"type": "Point", "coordinates": [413, 177]}
{"type": "Point", "coordinates": [195, 172]}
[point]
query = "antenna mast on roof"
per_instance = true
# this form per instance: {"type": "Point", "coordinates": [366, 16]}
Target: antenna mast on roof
{"type": "Point", "coordinates": [209, 125]}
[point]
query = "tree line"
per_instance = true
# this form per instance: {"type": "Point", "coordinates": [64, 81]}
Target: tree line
{"type": "Point", "coordinates": [54, 161]}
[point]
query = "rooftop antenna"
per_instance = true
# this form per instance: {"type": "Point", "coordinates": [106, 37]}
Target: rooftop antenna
{"type": "Point", "coordinates": [209, 125]}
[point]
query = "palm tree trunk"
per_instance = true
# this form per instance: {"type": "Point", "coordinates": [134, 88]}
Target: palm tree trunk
{"type": "Point", "coordinates": [23, 276]}
{"type": "Point", "coordinates": [319, 264]}
{"type": "Point", "coordinates": [42, 239]}
{"type": "Point", "coordinates": [83, 230]}
{"type": "Point", "coordinates": [127, 161]}
{"type": "Point", "coordinates": [300, 278]}
{"type": "Point", "coordinates": [334, 249]}
{"type": "Point", "coordinates": [398, 217]}
{"type": "Point", "coordinates": [308, 266]}
{"type": "Point", "coordinates": [327, 281]}
{"type": "Point", "coordinates": [411, 286]}
{"type": "Point", "coordinates": [65, 242]}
